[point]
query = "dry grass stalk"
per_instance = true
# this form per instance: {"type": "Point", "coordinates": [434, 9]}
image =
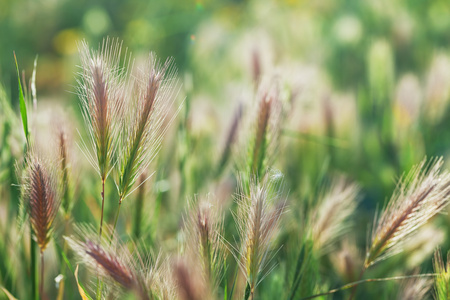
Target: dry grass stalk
{"type": "Point", "coordinates": [331, 217]}
{"type": "Point", "coordinates": [423, 193]}
{"type": "Point", "coordinates": [258, 218]}
{"type": "Point", "coordinates": [156, 91]}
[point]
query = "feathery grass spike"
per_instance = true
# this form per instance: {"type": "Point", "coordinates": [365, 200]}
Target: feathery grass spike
{"type": "Point", "coordinates": [42, 198]}
{"type": "Point", "coordinates": [204, 233]}
{"type": "Point", "coordinates": [114, 261]}
{"type": "Point", "coordinates": [423, 193]}
{"type": "Point", "coordinates": [258, 217]}
{"type": "Point", "coordinates": [101, 87]}
{"type": "Point", "coordinates": [147, 113]}
{"type": "Point", "coordinates": [332, 215]}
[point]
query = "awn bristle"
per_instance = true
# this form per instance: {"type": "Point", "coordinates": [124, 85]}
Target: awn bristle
{"type": "Point", "coordinates": [261, 131]}
{"type": "Point", "coordinates": [423, 193]}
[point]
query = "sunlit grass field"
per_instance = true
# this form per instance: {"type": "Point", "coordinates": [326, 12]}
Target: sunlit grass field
{"type": "Point", "coordinates": [224, 150]}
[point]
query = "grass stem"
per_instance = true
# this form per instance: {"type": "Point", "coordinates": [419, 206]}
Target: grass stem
{"type": "Point", "coordinates": [103, 206]}
{"type": "Point", "coordinates": [356, 285]}
{"type": "Point", "coordinates": [99, 283]}
{"type": "Point", "coordinates": [115, 221]}
{"type": "Point", "coordinates": [41, 279]}
{"type": "Point", "coordinates": [34, 293]}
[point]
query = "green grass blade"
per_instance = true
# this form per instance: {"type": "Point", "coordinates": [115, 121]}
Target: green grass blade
{"type": "Point", "coordinates": [23, 107]}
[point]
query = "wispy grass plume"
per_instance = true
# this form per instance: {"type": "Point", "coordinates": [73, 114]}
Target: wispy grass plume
{"type": "Point", "coordinates": [101, 88]}
{"type": "Point", "coordinates": [65, 166]}
{"type": "Point", "coordinates": [204, 234]}
{"type": "Point", "coordinates": [419, 196]}
{"type": "Point", "coordinates": [258, 218]}
{"type": "Point", "coordinates": [147, 110]}
{"type": "Point", "coordinates": [114, 261]}
{"type": "Point", "coordinates": [266, 130]}
{"type": "Point", "coordinates": [331, 218]}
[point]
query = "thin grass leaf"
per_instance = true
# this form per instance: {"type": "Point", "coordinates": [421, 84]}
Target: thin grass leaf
{"type": "Point", "coordinates": [83, 294]}
{"type": "Point", "coordinates": [22, 104]}
{"type": "Point", "coordinates": [8, 294]}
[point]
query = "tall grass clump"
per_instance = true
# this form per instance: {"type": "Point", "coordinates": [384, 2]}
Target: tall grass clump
{"type": "Point", "coordinates": [101, 89]}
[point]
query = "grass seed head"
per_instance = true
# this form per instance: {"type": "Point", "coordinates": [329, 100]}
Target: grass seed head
{"type": "Point", "coordinates": [258, 217]}
{"type": "Point", "coordinates": [204, 234]}
{"type": "Point", "coordinates": [147, 113]}
{"type": "Point", "coordinates": [113, 259]}
{"type": "Point", "coordinates": [42, 198]}
{"type": "Point", "coordinates": [102, 86]}
{"type": "Point", "coordinates": [331, 217]}
{"type": "Point", "coordinates": [423, 193]}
